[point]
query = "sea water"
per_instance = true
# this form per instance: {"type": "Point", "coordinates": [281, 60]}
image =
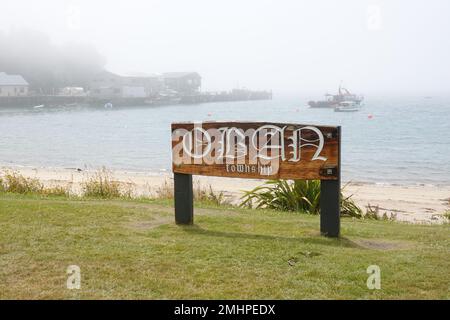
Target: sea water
{"type": "Point", "coordinates": [395, 140]}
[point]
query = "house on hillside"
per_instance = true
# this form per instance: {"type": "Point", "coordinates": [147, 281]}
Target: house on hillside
{"type": "Point", "coordinates": [12, 85]}
{"type": "Point", "coordinates": [110, 85]}
{"type": "Point", "coordinates": [182, 82]}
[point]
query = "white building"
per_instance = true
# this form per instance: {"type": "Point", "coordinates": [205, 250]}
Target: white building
{"type": "Point", "coordinates": [12, 85]}
{"type": "Point", "coordinates": [106, 84]}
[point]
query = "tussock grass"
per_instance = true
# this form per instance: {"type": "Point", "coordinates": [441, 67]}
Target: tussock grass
{"type": "Point", "coordinates": [165, 191]}
{"type": "Point", "coordinates": [208, 195]}
{"type": "Point", "coordinates": [14, 182]}
{"type": "Point", "coordinates": [102, 185]}
{"type": "Point", "coordinates": [373, 212]}
{"type": "Point", "coordinates": [202, 193]}
{"type": "Point", "coordinates": [447, 216]}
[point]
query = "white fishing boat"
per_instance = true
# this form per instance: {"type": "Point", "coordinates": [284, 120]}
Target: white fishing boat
{"type": "Point", "coordinates": [348, 106]}
{"type": "Point", "coordinates": [39, 106]}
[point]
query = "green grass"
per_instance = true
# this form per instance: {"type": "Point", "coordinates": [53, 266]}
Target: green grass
{"type": "Point", "coordinates": [132, 249]}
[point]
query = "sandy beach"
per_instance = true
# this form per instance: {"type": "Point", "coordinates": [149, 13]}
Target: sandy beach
{"type": "Point", "coordinates": [414, 204]}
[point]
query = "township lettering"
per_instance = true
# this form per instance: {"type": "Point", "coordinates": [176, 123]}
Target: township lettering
{"type": "Point", "coordinates": [240, 150]}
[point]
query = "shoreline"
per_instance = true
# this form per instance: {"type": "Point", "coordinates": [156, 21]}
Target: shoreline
{"type": "Point", "coordinates": [159, 172]}
{"type": "Point", "coordinates": [49, 101]}
{"type": "Point", "coordinates": [419, 203]}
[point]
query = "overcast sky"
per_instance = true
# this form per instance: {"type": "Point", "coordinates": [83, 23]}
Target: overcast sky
{"type": "Point", "coordinates": [288, 46]}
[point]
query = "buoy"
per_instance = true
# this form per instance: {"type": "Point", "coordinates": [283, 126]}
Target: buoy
{"type": "Point", "coordinates": [370, 116]}
{"type": "Point", "coordinates": [209, 114]}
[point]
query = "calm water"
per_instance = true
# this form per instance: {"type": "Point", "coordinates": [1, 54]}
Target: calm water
{"type": "Point", "coordinates": [406, 141]}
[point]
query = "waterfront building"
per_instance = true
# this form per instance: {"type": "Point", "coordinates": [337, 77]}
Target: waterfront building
{"type": "Point", "coordinates": [13, 85]}
{"type": "Point", "coordinates": [182, 82]}
{"type": "Point", "coordinates": [110, 85]}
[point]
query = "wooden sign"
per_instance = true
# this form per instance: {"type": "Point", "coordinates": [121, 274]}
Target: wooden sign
{"type": "Point", "coordinates": [256, 150]}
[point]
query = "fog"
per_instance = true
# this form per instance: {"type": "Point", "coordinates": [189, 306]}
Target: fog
{"type": "Point", "coordinates": [45, 65]}
{"type": "Point", "coordinates": [287, 46]}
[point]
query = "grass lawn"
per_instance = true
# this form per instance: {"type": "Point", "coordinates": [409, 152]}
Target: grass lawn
{"type": "Point", "coordinates": [132, 249]}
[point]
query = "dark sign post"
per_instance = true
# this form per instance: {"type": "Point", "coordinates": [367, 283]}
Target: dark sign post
{"type": "Point", "coordinates": [184, 198]}
{"type": "Point", "coordinates": [330, 200]}
{"type": "Point", "coordinates": [258, 150]}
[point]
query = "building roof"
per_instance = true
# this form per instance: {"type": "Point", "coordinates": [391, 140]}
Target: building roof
{"type": "Point", "coordinates": [12, 80]}
{"type": "Point", "coordinates": [104, 74]}
{"type": "Point", "coordinates": [179, 74]}
{"type": "Point", "coordinates": [140, 75]}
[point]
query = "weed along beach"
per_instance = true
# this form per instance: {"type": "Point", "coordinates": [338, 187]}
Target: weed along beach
{"type": "Point", "coordinates": [224, 160]}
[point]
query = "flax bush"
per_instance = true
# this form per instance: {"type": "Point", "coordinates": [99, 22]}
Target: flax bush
{"type": "Point", "coordinates": [298, 195]}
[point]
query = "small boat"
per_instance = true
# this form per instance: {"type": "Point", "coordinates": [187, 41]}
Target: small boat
{"type": "Point", "coordinates": [39, 106]}
{"type": "Point", "coordinates": [348, 106]}
{"type": "Point", "coordinates": [108, 105]}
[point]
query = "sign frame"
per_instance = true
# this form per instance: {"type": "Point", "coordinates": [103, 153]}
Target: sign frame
{"type": "Point", "coordinates": [330, 178]}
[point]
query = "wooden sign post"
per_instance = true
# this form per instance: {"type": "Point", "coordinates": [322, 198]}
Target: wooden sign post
{"type": "Point", "coordinates": [258, 150]}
